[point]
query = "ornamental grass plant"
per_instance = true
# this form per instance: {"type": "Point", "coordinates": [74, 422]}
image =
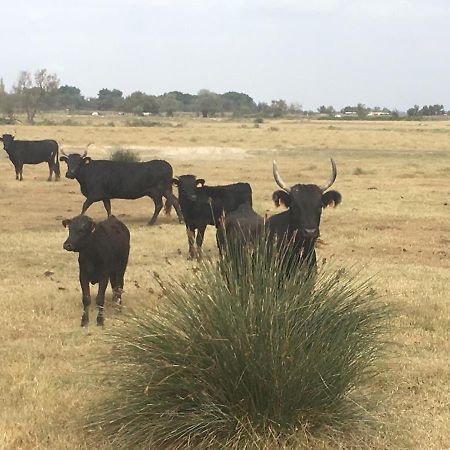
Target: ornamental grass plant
{"type": "Point", "coordinates": [239, 355]}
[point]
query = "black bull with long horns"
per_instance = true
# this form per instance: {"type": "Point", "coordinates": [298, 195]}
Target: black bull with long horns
{"type": "Point", "coordinates": [293, 232]}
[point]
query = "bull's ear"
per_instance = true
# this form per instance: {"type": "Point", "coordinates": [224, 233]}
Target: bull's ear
{"type": "Point", "coordinates": [86, 159]}
{"type": "Point", "coordinates": [331, 198]}
{"type": "Point", "coordinates": [66, 222]}
{"type": "Point", "coordinates": [199, 181]}
{"type": "Point", "coordinates": [1, 139]}
{"type": "Point", "coordinates": [281, 197]}
{"type": "Point", "coordinates": [175, 182]}
{"type": "Point", "coordinates": [63, 158]}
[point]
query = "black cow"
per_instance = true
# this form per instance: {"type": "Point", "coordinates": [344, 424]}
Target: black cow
{"type": "Point", "coordinates": [204, 205]}
{"type": "Point", "coordinates": [298, 227]}
{"type": "Point", "coordinates": [104, 180]}
{"type": "Point", "coordinates": [32, 152]}
{"type": "Point", "coordinates": [103, 255]}
{"type": "Point", "coordinates": [240, 227]}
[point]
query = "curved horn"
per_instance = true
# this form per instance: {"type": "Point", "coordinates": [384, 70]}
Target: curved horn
{"type": "Point", "coordinates": [278, 179]}
{"type": "Point", "coordinates": [63, 152]}
{"type": "Point", "coordinates": [84, 154]}
{"type": "Point", "coordinates": [332, 178]}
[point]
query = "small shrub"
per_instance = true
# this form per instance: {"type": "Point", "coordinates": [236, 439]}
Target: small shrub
{"type": "Point", "coordinates": [124, 155]}
{"type": "Point", "coordinates": [241, 355]}
{"type": "Point", "coordinates": [258, 120]}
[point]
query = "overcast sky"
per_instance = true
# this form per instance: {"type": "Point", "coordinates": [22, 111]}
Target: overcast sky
{"type": "Point", "coordinates": [392, 53]}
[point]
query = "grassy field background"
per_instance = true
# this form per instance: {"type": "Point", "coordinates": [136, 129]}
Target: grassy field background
{"type": "Point", "coordinates": [394, 222]}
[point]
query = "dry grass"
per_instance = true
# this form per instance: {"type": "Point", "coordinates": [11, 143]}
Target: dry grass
{"type": "Point", "coordinates": [394, 221]}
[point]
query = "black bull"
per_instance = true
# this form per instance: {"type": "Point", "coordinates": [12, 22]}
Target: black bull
{"type": "Point", "coordinates": [204, 205]}
{"type": "Point", "coordinates": [102, 180]}
{"type": "Point", "coordinates": [32, 152]}
{"type": "Point", "coordinates": [294, 231]}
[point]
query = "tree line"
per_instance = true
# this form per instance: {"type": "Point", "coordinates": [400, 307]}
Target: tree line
{"type": "Point", "coordinates": [42, 91]}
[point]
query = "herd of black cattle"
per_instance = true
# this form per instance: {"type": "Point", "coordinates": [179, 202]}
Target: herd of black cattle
{"type": "Point", "coordinates": [104, 247]}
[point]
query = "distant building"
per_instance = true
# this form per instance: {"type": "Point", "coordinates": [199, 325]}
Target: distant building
{"type": "Point", "coordinates": [378, 113]}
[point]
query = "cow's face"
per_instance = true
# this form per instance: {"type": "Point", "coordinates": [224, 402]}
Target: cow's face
{"type": "Point", "coordinates": [75, 162]}
{"type": "Point", "coordinates": [306, 202]}
{"type": "Point", "coordinates": [7, 140]}
{"type": "Point", "coordinates": [80, 228]}
{"type": "Point", "coordinates": [187, 186]}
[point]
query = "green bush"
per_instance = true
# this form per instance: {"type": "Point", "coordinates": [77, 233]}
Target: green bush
{"type": "Point", "coordinates": [125, 156]}
{"type": "Point", "coordinates": [240, 356]}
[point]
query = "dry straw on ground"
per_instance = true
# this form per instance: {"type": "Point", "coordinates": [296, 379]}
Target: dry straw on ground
{"type": "Point", "coordinates": [394, 220]}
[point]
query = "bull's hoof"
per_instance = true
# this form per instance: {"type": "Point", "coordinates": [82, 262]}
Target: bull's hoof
{"type": "Point", "coordinates": [100, 321]}
{"type": "Point", "coordinates": [84, 321]}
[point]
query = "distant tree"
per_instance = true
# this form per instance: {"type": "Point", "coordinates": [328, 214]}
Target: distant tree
{"type": "Point", "coordinates": [295, 108]}
{"type": "Point", "coordinates": [138, 102]}
{"type": "Point", "coordinates": [238, 103]}
{"type": "Point", "coordinates": [32, 92]}
{"type": "Point", "coordinates": [69, 97]}
{"type": "Point", "coordinates": [278, 108]}
{"type": "Point", "coordinates": [329, 110]}
{"type": "Point", "coordinates": [109, 100]}
{"type": "Point", "coordinates": [413, 112]}
{"type": "Point", "coordinates": [169, 104]}
{"type": "Point", "coordinates": [187, 100]}
{"type": "Point", "coordinates": [208, 103]}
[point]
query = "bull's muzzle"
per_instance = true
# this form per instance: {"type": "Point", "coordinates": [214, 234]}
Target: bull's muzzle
{"type": "Point", "coordinates": [68, 246]}
{"type": "Point", "coordinates": [310, 233]}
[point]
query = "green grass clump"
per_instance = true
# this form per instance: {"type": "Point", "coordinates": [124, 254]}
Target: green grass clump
{"type": "Point", "coordinates": [125, 156]}
{"type": "Point", "coordinates": [240, 356]}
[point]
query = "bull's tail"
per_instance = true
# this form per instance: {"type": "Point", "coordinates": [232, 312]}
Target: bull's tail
{"type": "Point", "coordinates": [56, 167]}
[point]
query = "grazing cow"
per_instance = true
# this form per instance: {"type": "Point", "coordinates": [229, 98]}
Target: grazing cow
{"type": "Point", "coordinates": [104, 180]}
{"type": "Point", "coordinates": [204, 205]}
{"type": "Point", "coordinates": [32, 152]}
{"type": "Point", "coordinates": [103, 255]}
{"type": "Point", "coordinates": [298, 227]}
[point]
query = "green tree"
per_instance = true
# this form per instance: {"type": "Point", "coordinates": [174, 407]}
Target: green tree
{"type": "Point", "coordinates": [208, 103]}
{"type": "Point", "coordinates": [169, 104]}
{"type": "Point", "coordinates": [109, 100]}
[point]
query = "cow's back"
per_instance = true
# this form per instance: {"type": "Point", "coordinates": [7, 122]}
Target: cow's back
{"type": "Point", "coordinates": [113, 237]}
{"type": "Point", "coordinates": [117, 179]}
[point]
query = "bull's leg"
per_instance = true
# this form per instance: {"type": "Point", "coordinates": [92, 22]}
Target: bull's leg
{"type": "Point", "coordinates": [107, 205]}
{"type": "Point", "coordinates": [86, 205]}
{"type": "Point", "coordinates": [174, 201]}
{"type": "Point", "coordinates": [100, 300]}
{"type": "Point", "coordinates": [117, 287]}
{"type": "Point", "coordinates": [19, 170]}
{"type": "Point", "coordinates": [199, 240]}
{"type": "Point", "coordinates": [84, 282]}
{"type": "Point", "coordinates": [158, 206]}
{"type": "Point", "coordinates": [191, 242]}
{"type": "Point", "coordinates": [50, 169]}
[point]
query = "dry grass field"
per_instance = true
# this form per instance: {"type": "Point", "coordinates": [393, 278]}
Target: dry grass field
{"type": "Point", "coordinates": [394, 222]}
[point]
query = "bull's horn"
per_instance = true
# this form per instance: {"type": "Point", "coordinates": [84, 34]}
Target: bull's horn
{"type": "Point", "coordinates": [63, 152]}
{"type": "Point", "coordinates": [278, 179]}
{"type": "Point", "coordinates": [332, 178]}
{"type": "Point", "coordinates": [84, 154]}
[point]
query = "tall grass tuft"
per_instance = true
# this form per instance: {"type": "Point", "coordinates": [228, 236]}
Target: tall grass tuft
{"type": "Point", "coordinates": [124, 156]}
{"type": "Point", "coordinates": [241, 355]}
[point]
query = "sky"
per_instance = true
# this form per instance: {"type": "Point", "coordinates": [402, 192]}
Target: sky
{"type": "Point", "coordinates": [393, 53]}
